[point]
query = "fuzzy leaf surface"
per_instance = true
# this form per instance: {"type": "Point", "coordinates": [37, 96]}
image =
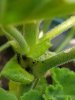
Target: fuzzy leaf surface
{"type": "Point", "coordinates": [4, 95]}
{"type": "Point", "coordinates": [15, 72]}
{"type": "Point", "coordinates": [63, 85]}
{"type": "Point", "coordinates": [20, 11]}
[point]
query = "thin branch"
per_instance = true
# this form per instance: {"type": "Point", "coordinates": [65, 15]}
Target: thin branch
{"type": "Point", "coordinates": [18, 37]}
{"type": "Point", "coordinates": [31, 33]}
{"type": "Point", "coordinates": [58, 59]}
{"type": "Point", "coordinates": [5, 46]}
{"type": "Point", "coordinates": [59, 29]}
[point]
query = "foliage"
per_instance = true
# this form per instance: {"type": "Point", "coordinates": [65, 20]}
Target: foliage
{"type": "Point", "coordinates": [6, 96]}
{"type": "Point", "coordinates": [29, 11]}
{"type": "Point", "coordinates": [63, 85]}
{"type": "Point", "coordinates": [20, 23]}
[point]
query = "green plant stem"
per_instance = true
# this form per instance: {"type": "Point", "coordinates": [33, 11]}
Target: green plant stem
{"type": "Point", "coordinates": [31, 33]}
{"type": "Point", "coordinates": [14, 45]}
{"type": "Point", "coordinates": [66, 40]}
{"type": "Point", "coordinates": [58, 59]}
{"type": "Point", "coordinates": [7, 34]}
{"type": "Point", "coordinates": [15, 88]}
{"type": "Point", "coordinates": [5, 46]}
{"type": "Point", "coordinates": [59, 29]}
{"type": "Point", "coordinates": [18, 37]}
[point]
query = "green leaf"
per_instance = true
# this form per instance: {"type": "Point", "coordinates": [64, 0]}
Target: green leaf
{"type": "Point", "coordinates": [55, 93]}
{"type": "Point", "coordinates": [32, 95]}
{"type": "Point", "coordinates": [20, 11]}
{"type": "Point", "coordinates": [65, 78]}
{"type": "Point", "coordinates": [6, 95]}
{"type": "Point", "coordinates": [39, 49]}
{"type": "Point", "coordinates": [41, 85]}
{"type": "Point", "coordinates": [63, 85]}
{"type": "Point", "coordinates": [15, 72]}
{"type": "Point", "coordinates": [31, 33]}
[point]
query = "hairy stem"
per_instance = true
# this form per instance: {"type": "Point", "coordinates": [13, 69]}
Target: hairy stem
{"type": "Point", "coordinates": [58, 59]}
{"type": "Point", "coordinates": [9, 37]}
{"type": "Point", "coordinates": [15, 88]}
{"type": "Point", "coordinates": [5, 46]}
{"type": "Point", "coordinates": [59, 29]}
{"type": "Point", "coordinates": [18, 37]}
{"type": "Point", "coordinates": [31, 33]}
